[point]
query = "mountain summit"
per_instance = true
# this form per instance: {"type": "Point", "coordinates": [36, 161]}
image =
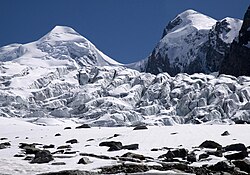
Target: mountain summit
{"type": "Point", "coordinates": [191, 42]}
{"type": "Point", "coordinates": [61, 46]}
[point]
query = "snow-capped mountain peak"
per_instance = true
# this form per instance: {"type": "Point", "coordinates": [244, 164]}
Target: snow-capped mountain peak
{"type": "Point", "coordinates": [191, 42]}
{"type": "Point", "coordinates": [187, 19]}
{"type": "Point", "coordinates": [62, 33]}
{"type": "Point", "coordinates": [61, 46]}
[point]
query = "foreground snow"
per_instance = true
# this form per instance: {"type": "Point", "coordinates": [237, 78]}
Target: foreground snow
{"type": "Point", "coordinates": [178, 136]}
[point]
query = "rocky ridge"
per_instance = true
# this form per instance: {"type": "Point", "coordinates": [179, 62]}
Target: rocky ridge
{"type": "Point", "coordinates": [236, 62]}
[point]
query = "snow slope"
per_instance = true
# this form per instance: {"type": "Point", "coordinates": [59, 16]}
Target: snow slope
{"type": "Point", "coordinates": [188, 136]}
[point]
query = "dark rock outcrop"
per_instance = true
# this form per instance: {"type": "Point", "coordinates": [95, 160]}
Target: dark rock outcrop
{"type": "Point", "coordinates": [70, 172]}
{"type": "Point", "coordinates": [235, 147]}
{"type": "Point", "coordinates": [237, 62]}
{"type": "Point", "coordinates": [237, 156]}
{"type": "Point", "coordinates": [210, 144]}
{"type": "Point", "coordinates": [140, 127]}
{"type": "Point", "coordinates": [226, 133]}
{"type": "Point", "coordinates": [131, 147]}
{"type": "Point", "coordinates": [4, 145]}
{"type": "Point", "coordinates": [83, 126]}
{"type": "Point", "coordinates": [64, 147]}
{"type": "Point", "coordinates": [58, 163]}
{"type": "Point", "coordinates": [222, 166]}
{"type": "Point", "coordinates": [84, 160]}
{"type": "Point", "coordinates": [244, 165]}
{"type": "Point", "coordinates": [72, 141]}
{"type": "Point", "coordinates": [203, 156]}
{"type": "Point", "coordinates": [113, 146]}
{"type": "Point", "coordinates": [43, 156]}
{"type": "Point", "coordinates": [48, 146]}
{"type": "Point", "coordinates": [134, 156]}
{"type": "Point", "coordinates": [68, 127]}
{"type": "Point", "coordinates": [191, 157]}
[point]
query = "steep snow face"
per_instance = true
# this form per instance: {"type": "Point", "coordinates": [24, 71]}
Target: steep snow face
{"type": "Point", "coordinates": [190, 33]}
{"type": "Point", "coordinates": [192, 42]}
{"type": "Point", "coordinates": [62, 43]}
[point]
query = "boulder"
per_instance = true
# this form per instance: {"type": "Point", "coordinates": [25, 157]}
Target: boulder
{"type": "Point", "coordinates": [72, 141]}
{"type": "Point", "coordinates": [3, 138]}
{"type": "Point", "coordinates": [84, 160]}
{"type": "Point", "coordinates": [70, 152]}
{"type": "Point", "coordinates": [243, 165]}
{"type": "Point", "coordinates": [191, 157]}
{"type": "Point", "coordinates": [58, 163]}
{"type": "Point", "coordinates": [131, 147]}
{"type": "Point", "coordinates": [98, 156]}
{"type": "Point", "coordinates": [203, 156]}
{"type": "Point", "coordinates": [64, 147]}
{"type": "Point", "coordinates": [226, 133]}
{"type": "Point", "coordinates": [168, 156]}
{"type": "Point", "coordinates": [22, 145]}
{"type": "Point", "coordinates": [217, 153]}
{"type": "Point", "coordinates": [48, 146]}
{"type": "Point", "coordinates": [235, 147]}
{"type": "Point", "coordinates": [113, 146]}
{"type": "Point", "coordinates": [29, 158]}
{"type": "Point", "coordinates": [68, 127]}
{"type": "Point", "coordinates": [58, 152]}
{"type": "Point", "coordinates": [210, 144]}
{"type": "Point", "coordinates": [83, 126]}
{"type": "Point", "coordinates": [140, 127]}
{"type": "Point", "coordinates": [134, 156]}
{"type": "Point", "coordinates": [2, 146]}
{"type": "Point", "coordinates": [182, 153]}
{"type": "Point", "coordinates": [57, 134]}
{"type": "Point", "coordinates": [70, 172]}
{"type": "Point", "coordinates": [43, 156]}
{"type": "Point", "coordinates": [221, 166]}
{"type": "Point", "coordinates": [237, 156]}
{"type": "Point", "coordinates": [19, 155]}
{"type": "Point", "coordinates": [31, 149]}
{"type": "Point", "coordinates": [127, 168]}
{"type": "Point", "coordinates": [6, 143]}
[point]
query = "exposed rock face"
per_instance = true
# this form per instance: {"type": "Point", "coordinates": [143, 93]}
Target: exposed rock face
{"type": "Point", "coordinates": [191, 43]}
{"type": "Point", "coordinates": [237, 62]}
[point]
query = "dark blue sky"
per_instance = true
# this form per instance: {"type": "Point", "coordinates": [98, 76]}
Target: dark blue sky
{"type": "Point", "coordinates": [126, 30]}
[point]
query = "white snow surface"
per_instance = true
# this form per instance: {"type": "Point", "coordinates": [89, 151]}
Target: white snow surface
{"type": "Point", "coordinates": [189, 136]}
